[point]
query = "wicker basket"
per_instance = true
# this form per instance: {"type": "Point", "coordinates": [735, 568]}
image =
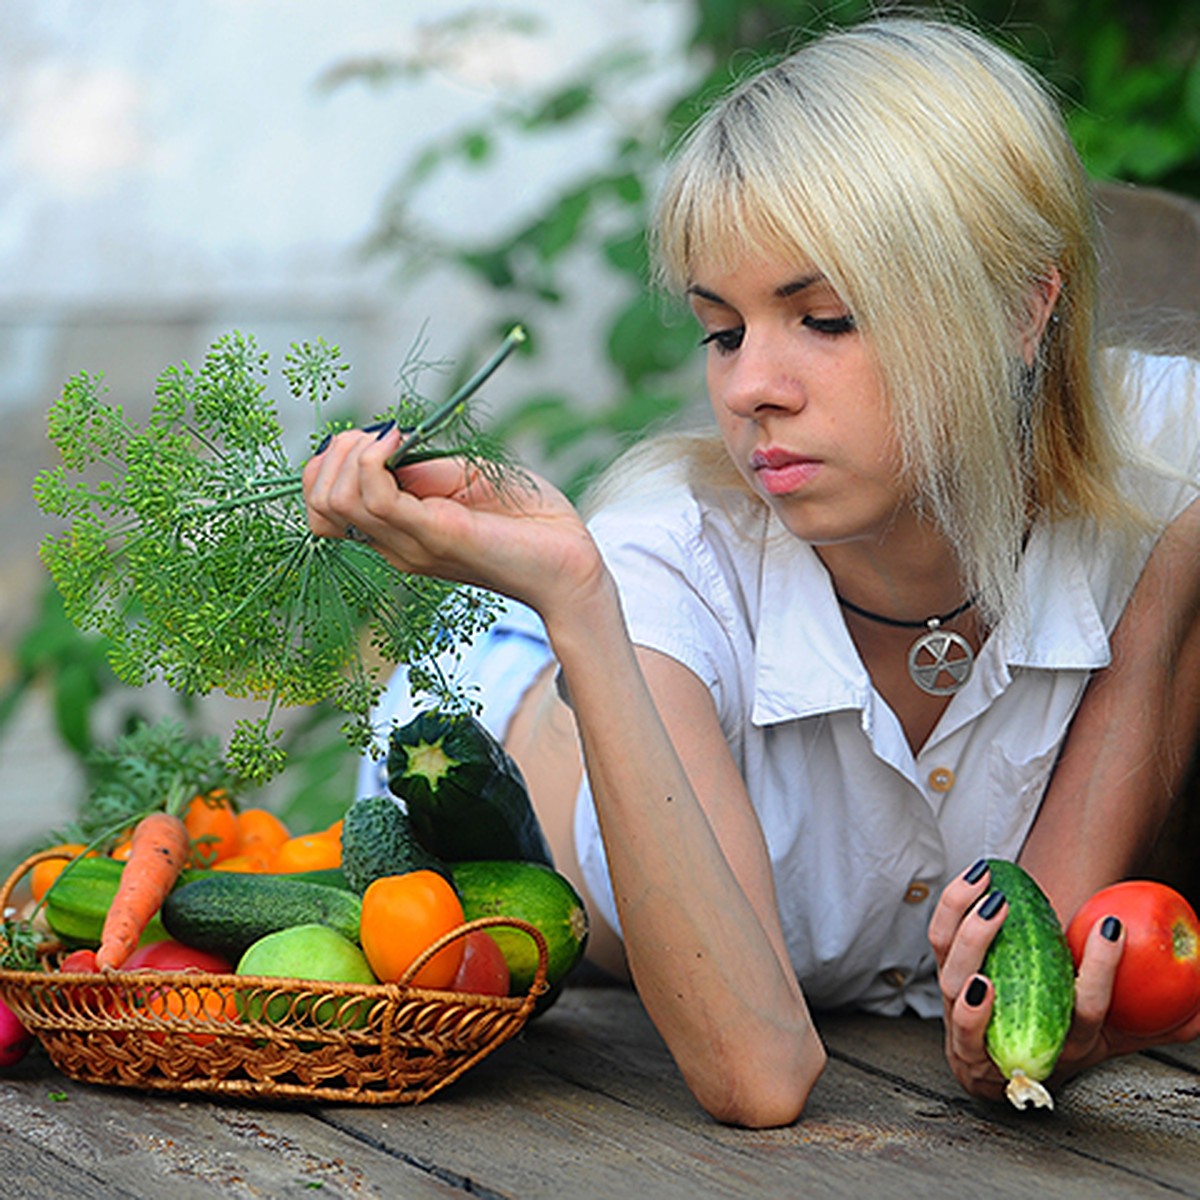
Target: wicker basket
{"type": "Point", "coordinates": [276, 1039]}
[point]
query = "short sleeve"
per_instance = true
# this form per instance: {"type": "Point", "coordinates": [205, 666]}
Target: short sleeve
{"type": "Point", "coordinates": [676, 597]}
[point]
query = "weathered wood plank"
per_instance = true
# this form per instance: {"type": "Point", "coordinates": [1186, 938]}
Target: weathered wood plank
{"type": "Point", "coordinates": [1140, 1114]}
{"type": "Point", "coordinates": [587, 1102]}
{"type": "Point", "coordinates": [582, 1101]}
{"type": "Point", "coordinates": [58, 1136]}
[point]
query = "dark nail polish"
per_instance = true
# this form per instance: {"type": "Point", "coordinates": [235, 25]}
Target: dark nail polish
{"type": "Point", "coordinates": [991, 906]}
{"type": "Point", "coordinates": [976, 872]}
{"type": "Point", "coordinates": [323, 444]}
{"type": "Point", "coordinates": [976, 990]}
{"type": "Point", "coordinates": [1110, 929]}
{"type": "Point", "coordinates": [380, 428]}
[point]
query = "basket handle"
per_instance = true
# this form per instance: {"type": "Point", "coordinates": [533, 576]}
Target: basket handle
{"type": "Point", "coordinates": [23, 868]}
{"type": "Point", "coordinates": [536, 988]}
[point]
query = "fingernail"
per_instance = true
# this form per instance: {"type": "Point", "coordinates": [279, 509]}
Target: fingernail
{"type": "Point", "coordinates": [991, 906]}
{"type": "Point", "coordinates": [1110, 929]}
{"type": "Point", "coordinates": [323, 444]}
{"type": "Point", "coordinates": [976, 872]}
{"type": "Point", "coordinates": [380, 429]}
{"type": "Point", "coordinates": [976, 991]}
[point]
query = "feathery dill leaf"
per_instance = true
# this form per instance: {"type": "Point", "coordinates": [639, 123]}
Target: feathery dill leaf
{"type": "Point", "coordinates": [186, 543]}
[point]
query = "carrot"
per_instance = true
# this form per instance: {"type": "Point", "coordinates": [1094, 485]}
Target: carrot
{"type": "Point", "coordinates": [159, 851]}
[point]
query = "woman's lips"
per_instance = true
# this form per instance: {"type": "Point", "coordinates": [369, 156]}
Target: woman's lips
{"type": "Point", "coordinates": [781, 472]}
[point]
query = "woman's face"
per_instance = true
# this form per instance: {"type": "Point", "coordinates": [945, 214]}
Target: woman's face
{"type": "Point", "coordinates": [799, 400]}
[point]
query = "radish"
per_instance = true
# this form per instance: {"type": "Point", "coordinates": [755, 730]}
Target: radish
{"type": "Point", "coordinates": [15, 1039]}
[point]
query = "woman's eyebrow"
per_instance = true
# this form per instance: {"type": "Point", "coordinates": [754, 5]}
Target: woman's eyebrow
{"type": "Point", "coordinates": [792, 288]}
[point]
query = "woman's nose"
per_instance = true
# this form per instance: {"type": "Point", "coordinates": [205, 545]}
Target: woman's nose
{"type": "Point", "coordinates": [757, 382]}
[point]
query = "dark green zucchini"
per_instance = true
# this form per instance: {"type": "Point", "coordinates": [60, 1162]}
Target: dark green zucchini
{"type": "Point", "coordinates": [466, 798]}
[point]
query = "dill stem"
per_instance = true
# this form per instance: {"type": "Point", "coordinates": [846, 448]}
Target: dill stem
{"type": "Point", "coordinates": [447, 409]}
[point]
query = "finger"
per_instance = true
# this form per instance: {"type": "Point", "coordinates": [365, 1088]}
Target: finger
{"type": "Point", "coordinates": [438, 477]}
{"type": "Point", "coordinates": [953, 904]}
{"type": "Point", "coordinates": [323, 479]}
{"type": "Point", "coordinates": [1094, 982]}
{"type": "Point", "coordinates": [970, 945]}
{"type": "Point", "coordinates": [968, 1021]}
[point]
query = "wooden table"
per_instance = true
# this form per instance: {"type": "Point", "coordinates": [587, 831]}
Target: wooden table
{"type": "Point", "coordinates": [586, 1103]}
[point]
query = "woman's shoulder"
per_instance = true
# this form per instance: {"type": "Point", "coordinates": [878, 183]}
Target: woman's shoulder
{"type": "Point", "coordinates": [668, 506]}
{"type": "Point", "coordinates": [1159, 389]}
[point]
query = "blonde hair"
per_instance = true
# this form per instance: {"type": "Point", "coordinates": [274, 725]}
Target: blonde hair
{"type": "Point", "coordinates": [929, 176]}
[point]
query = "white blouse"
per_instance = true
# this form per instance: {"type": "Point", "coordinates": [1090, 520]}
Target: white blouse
{"type": "Point", "coordinates": [862, 833]}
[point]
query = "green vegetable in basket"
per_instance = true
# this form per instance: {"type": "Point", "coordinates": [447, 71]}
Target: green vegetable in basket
{"type": "Point", "coordinates": [305, 952]}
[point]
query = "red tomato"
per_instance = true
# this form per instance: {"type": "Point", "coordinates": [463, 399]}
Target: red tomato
{"type": "Point", "coordinates": [484, 971]}
{"type": "Point", "coordinates": [1157, 986]}
{"type": "Point", "coordinates": [97, 1001]}
{"type": "Point", "coordinates": [204, 1004]}
{"type": "Point", "coordinates": [175, 956]}
{"type": "Point", "coordinates": [82, 962]}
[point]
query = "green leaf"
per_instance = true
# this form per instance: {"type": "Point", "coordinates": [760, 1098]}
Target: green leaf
{"type": "Point", "coordinates": [558, 230]}
{"type": "Point", "coordinates": [564, 105]}
{"type": "Point", "coordinates": [642, 344]}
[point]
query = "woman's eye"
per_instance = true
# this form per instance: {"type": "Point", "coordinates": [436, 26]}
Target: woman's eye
{"type": "Point", "coordinates": [832, 326]}
{"type": "Point", "coordinates": [725, 340]}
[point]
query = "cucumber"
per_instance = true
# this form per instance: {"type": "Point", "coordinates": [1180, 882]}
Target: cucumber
{"type": "Point", "coordinates": [531, 892]}
{"type": "Point", "coordinates": [377, 840]}
{"type": "Point", "coordinates": [465, 797]}
{"type": "Point", "coordinates": [1030, 966]}
{"type": "Point", "coordinates": [227, 912]}
{"type": "Point", "coordinates": [78, 901]}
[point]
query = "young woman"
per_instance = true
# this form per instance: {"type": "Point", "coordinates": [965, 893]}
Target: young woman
{"type": "Point", "coordinates": [822, 660]}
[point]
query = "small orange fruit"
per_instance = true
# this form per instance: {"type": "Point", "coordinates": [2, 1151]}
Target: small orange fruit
{"type": "Point", "coordinates": [212, 825]}
{"type": "Point", "coordinates": [260, 824]}
{"type": "Point", "coordinates": [307, 852]}
{"type": "Point", "coordinates": [49, 869]}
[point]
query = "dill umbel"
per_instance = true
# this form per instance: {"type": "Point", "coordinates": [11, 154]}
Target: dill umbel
{"type": "Point", "coordinates": [186, 544]}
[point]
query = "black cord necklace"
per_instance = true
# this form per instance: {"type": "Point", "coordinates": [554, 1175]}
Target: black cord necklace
{"type": "Point", "coordinates": [940, 660]}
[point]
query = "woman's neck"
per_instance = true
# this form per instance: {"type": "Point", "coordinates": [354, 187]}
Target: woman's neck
{"type": "Point", "coordinates": [909, 576]}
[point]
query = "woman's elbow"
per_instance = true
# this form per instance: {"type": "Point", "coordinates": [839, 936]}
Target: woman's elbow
{"type": "Point", "coordinates": [758, 1094]}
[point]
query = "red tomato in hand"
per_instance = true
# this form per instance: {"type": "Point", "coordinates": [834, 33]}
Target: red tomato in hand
{"type": "Point", "coordinates": [175, 956]}
{"type": "Point", "coordinates": [484, 971]}
{"type": "Point", "coordinates": [1157, 986]}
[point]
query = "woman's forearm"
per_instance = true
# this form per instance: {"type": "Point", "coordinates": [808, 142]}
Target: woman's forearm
{"type": "Point", "coordinates": [715, 982]}
{"type": "Point", "coordinates": [1131, 741]}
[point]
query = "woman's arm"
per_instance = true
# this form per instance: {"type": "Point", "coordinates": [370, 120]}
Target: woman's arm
{"type": "Point", "coordinates": [1133, 738]}
{"type": "Point", "coordinates": [689, 868]}
{"type": "Point", "coordinates": [1119, 774]}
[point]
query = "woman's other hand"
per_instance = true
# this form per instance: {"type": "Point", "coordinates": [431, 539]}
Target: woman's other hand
{"type": "Point", "coordinates": [964, 923]}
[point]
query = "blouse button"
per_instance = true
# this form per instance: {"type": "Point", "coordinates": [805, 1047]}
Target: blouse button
{"type": "Point", "coordinates": [941, 779]}
{"type": "Point", "coordinates": [893, 977]}
{"type": "Point", "coordinates": [916, 893]}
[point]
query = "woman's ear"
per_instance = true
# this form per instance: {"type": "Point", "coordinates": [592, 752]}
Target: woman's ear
{"type": "Point", "coordinates": [1042, 300]}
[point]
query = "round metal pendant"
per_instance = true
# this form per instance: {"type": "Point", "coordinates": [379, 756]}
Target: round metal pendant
{"type": "Point", "coordinates": [940, 661]}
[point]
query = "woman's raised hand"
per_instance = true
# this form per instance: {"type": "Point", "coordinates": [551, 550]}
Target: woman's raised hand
{"type": "Point", "coordinates": [447, 518]}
